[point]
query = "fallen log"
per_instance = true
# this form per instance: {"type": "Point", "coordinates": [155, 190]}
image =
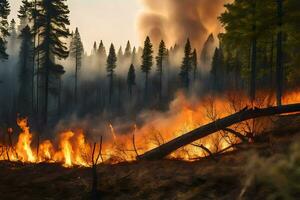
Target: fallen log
{"type": "Point", "coordinates": [203, 131]}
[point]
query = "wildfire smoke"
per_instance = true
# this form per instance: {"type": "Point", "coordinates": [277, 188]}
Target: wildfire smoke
{"type": "Point", "coordinates": [176, 20]}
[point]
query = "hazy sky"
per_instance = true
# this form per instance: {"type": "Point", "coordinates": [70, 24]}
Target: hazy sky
{"type": "Point", "coordinates": [109, 20]}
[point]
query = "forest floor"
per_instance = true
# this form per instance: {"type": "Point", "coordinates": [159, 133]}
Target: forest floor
{"type": "Point", "coordinates": [253, 172]}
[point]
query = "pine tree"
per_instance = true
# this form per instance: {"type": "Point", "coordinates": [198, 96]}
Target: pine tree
{"type": "Point", "coordinates": [247, 21]}
{"type": "Point", "coordinates": [147, 62]}
{"type": "Point", "coordinates": [194, 60]}
{"type": "Point", "coordinates": [127, 53]}
{"type": "Point", "coordinates": [207, 51]}
{"type": "Point", "coordinates": [94, 51]}
{"type": "Point", "coordinates": [217, 69]}
{"type": "Point", "coordinates": [76, 52]}
{"type": "Point", "coordinates": [134, 57]}
{"type": "Point", "coordinates": [101, 50]}
{"type": "Point", "coordinates": [13, 37]}
{"type": "Point", "coordinates": [52, 20]}
{"type": "Point", "coordinates": [102, 56]}
{"type": "Point", "coordinates": [131, 79]}
{"type": "Point", "coordinates": [186, 66]}
{"type": "Point", "coordinates": [160, 59]}
{"type": "Point", "coordinates": [25, 14]}
{"type": "Point", "coordinates": [4, 12]}
{"type": "Point", "coordinates": [110, 68]}
{"type": "Point", "coordinates": [25, 72]}
{"type": "Point", "coordinates": [120, 57]}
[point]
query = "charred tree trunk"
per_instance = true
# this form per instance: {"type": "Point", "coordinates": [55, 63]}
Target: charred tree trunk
{"type": "Point", "coordinates": [94, 192]}
{"type": "Point", "coordinates": [201, 132]}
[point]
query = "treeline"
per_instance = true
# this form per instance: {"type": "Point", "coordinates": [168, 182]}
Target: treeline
{"type": "Point", "coordinates": [260, 47]}
{"type": "Point", "coordinates": [47, 75]}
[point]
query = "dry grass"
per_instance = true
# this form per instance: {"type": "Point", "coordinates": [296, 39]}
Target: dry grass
{"type": "Point", "coordinates": [264, 170]}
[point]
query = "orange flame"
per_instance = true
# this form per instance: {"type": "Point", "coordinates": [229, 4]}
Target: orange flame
{"type": "Point", "coordinates": [183, 116]}
{"type": "Point", "coordinates": [23, 146]}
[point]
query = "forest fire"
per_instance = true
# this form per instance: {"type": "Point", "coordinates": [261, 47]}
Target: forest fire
{"type": "Point", "coordinates": [73, 148]}
{"type": "Point", "coordinates": [131, 99]}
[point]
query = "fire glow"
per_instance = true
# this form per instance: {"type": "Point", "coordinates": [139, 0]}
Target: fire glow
{"type": "Point", "coordinates": [72, 148]}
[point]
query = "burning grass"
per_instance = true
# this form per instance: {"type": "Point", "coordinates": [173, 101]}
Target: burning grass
{"type": "Point", "coordinates": [73, 148]}
{"type": "Point", "coordinates": [256, 171]}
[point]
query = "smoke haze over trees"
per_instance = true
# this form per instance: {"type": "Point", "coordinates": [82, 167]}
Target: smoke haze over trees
{"type": "Point", "coordinates": [47, 75]}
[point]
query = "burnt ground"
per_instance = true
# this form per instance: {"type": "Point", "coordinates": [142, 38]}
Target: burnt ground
{"type": "Point", "coordinates": [226, 178]}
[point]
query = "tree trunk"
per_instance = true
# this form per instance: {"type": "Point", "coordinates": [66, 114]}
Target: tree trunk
{"type": "Point", "coordinates": [110, 88]}
{"type": "Point", "coordinates": [271, 62]}
{"type": "Point", "coordinates": [160, 85]}
{"type": "Point", "coordinates": [279, 66]}
{"type": "Point", "coordinates": [33, 58]}
{"type": "Point", "coordinates": [146, 86]}
{"type": "Point", "coordinates": [203, 131]}
{"type": "Point", "coordinates": [253, 57]}
{"type": "Point", "coordinates": [76, 79]}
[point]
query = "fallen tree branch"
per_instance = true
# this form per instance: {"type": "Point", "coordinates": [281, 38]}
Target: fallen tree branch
{"type": "Point", "coordinates": [94, 169]}
{"type": "Point", "coordinates": [206, 150]}
{"type": "Point", "coordinates": [203, 131]}
{"type": "Point", "coordinates": [237, 134]}
{"type": "Point", "coordinates": [134, 147]}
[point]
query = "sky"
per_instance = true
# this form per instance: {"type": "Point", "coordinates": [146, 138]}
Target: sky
{"type": "Point", "coordinates": [108, 20]}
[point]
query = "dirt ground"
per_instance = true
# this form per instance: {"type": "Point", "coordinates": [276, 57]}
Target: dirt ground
{"type": "Point", "coordinates": [225, 178]}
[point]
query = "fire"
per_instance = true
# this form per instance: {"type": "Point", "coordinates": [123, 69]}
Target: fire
{"type": "Point", "coordinates": [67, 147]}
{"type": "Point", "coordinates": [46, 150]}
{"type": "Point", "coordinates": [112, 131]}
{"type": "Point", "coordinates": [24, 151]}
{"type": "Point", "coordinates": [72, 147]}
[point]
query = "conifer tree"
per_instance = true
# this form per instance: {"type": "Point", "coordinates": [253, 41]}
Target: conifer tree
{"type": "Point", "coordinates": [101, 50]}
{"type": "Point", "coordinates": [186, 66]}
{"type": "Point", "coordinates": [25, 14]}
{"type": "Point", "coordinates": [4, 12]}
{"type": "Point", "coordinates": [131, 79]}
{"type": "Point", "coordinates": [13, 36]}
{"type": "Point", "coordinates": [120, 57]}
{"type": "Point", "coordinates": [52, 19]}
{"type": "Point", "coordinates": [207, 51]}
{"type": "Point", "coordinates": [134, 57]}
{"type": "Point", "coordinates": [160, 59]}
{"type": "Point", "coordinates": [110, 68]}
{"type": "Point", "coordinates": [25, 96]}
{"type": "Point", "coordinates": [194, 60]}
{"type": "Point", "coordinates": [247, 21]}
{"type": "Point", "coordinates": [94, 51]}
{"type": "Point", "coordinates": [76, 52]}
{"type": "Point", "coordinates": [102, 56]}
{"type": "Point", "coordinates": [147, 62]}
{"type": "Point", "coordinates": [127, 53]}
{"type": "Point", "coordinates": [217, 69]}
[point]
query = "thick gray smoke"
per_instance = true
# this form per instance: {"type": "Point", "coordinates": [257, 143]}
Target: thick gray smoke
{"type": "Point", "coordinates": [176, 20]}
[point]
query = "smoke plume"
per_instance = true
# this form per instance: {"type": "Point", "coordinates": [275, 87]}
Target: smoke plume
{"type": "Point", "coordinates": [176, 20]}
